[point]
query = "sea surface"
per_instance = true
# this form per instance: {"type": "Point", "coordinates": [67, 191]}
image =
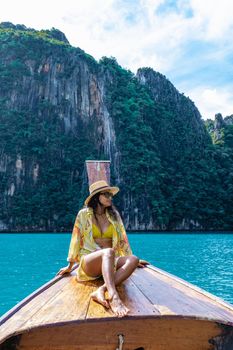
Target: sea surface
{"type": "Point", "coordinates": [29, 260]}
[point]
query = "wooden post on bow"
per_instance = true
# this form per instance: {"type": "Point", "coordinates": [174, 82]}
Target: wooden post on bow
{"type": "Point", "coordinates": [98, 170]}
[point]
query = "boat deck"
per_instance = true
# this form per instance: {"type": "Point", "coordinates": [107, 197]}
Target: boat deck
{"type": "Point", "coordinates": [60, 315]}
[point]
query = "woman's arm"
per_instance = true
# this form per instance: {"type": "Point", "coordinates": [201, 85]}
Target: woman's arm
{"type": "Point", "coordinates": [74, 248]}
{"type": "Point", "coordinates": [143, 263]}
{"type": "Point", "coordinates": [66, 269]}
{"type": "Point", "coordinates": [124, 243]}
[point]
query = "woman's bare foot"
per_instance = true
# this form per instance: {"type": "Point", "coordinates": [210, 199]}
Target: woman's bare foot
{"type": "Point", "coordinates": [99, 297]}
{"type": "Point", "coordinates": [117, 306]}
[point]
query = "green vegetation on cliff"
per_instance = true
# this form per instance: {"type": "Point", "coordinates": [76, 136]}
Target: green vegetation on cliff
{"type": "Point", "coordinates": [175, 170]}
{"type": "Point", "coordinates": [131, 107]}
{"type": "Point", "coordinates": [178, 170]}
{"type": "Point", "coordinates": [35, 135]}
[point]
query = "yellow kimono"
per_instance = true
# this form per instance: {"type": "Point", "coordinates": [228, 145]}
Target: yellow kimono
{"type": "Point", "coordinates": [82, 241]}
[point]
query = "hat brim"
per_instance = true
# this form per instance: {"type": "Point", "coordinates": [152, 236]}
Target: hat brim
{"type": "Point", "coordinates": [113, 190]}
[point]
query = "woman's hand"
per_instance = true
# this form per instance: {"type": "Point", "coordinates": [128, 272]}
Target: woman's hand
{"type": "Point", "coordinates": [143, 263]}
{"type": "Point", "coordinates": [64, 270]}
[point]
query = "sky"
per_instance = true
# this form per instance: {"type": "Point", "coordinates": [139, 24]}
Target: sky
{"type": "Point", "coordinates": [188, 41]}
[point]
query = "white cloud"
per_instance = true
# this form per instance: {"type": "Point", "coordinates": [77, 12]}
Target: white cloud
{"type": "Point", "coordinates": [138, 34]}
{"type": "Point", "coordinates": [215, 18]}
{"type": "Point", "coordinates": [147, 40]}
{"type": "Point", "coordinates": [104, 27]}
{"type": "Point", "coordinates": [211, 101]}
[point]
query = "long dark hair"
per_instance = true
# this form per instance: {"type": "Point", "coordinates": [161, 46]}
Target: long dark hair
{"type": "Point", "coordinates": [93, 203]}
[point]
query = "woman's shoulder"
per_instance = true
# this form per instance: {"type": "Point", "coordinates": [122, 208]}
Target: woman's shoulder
{"type": "Point", "coordinates": [85, 211]}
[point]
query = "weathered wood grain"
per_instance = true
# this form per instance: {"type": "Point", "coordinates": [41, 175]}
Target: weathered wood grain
{"type": "Point", "coordinates": [157, 333]}
{"type": "Point", "coordinates": [165, 313]}
{"type": "Point", "coordinates": [175, 298]}
{"type": "Point", "coordinates": [131, 296]}
{"type": "Point", "coordinates": [24, 313]}
{"type": "Point", "coordinates": [70, 304]}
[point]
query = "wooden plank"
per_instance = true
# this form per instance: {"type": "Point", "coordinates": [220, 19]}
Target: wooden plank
{"type": "Point", "coordinates": [171, 297]}
{"type": "Point", "coordinates": [216, 304]}
{"type": "Point", "coordinates": [96, 310]}
{"type": "Point", "coordinates": [174, 278]}
{"type": "Point", "coordinates": [33, 295]}
{"type": "Point", "coordinates": [70, 304]}
{"type": "Point", "coordinates": [22, 313]}
{"type": "Point", "coordinates": [156, 333]}
{"type": "Point", "coordinates": [147, 293]}
{"type": "Point", "coordinates": [135, 300]}
{"type": "Point", "coordinates": [131, 296]}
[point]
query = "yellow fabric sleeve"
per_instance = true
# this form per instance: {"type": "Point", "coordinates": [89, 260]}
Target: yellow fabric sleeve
{"type": "Point", "coordinates": [74, 249]}
{"type": "Point", "coordinates": [124, 242]}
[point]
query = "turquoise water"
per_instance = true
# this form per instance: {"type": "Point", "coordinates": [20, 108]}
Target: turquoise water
{"type": "Point", "coordinates": [29, 260]}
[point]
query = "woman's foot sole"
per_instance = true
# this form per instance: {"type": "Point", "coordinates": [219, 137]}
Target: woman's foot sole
{"type": "Point", "coordinates": [117, 306]}
{"type": "Point", "coordinates": [99, 297]}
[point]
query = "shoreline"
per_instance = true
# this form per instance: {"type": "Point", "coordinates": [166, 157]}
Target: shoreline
{"type": "Point", "coordinates": [129, 231]}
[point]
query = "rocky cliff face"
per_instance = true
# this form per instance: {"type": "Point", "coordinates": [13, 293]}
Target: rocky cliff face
{"type": "Point", "coordinates": [59, 107]}
{"type": "Point", "coordinates": [63, 86]}
{"type": "Point", "coordinates": [62, 82]}
{"type": "Point", "coordinates": [184, 115]}
{"type": "Point", "coordinates": [217, 126]}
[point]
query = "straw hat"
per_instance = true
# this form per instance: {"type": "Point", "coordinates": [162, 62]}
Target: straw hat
{"type": "Point", "coordinates": [100, 186]}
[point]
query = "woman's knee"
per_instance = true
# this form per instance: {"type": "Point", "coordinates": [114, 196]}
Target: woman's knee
{"type": "Point", "coordinates": [108, 252]}
{"type": "Point", "coordinates": [134, 260]}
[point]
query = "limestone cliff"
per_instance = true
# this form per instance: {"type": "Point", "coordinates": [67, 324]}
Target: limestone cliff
{"type": "Point", "coordinates": [59, 107]}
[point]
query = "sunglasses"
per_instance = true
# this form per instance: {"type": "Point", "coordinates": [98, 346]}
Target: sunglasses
{"type": "Point", "coordinates": [107, 194]}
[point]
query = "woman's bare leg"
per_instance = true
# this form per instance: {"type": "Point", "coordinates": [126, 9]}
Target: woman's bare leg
{"type": "Point", "coordinates": [125, 267]}
{"type": "Point", "coordinates": [92, 266]}
{"type": "Point", "coordinates": [107, 269]}
{"type": "Point", "coordinates": [102, 261]}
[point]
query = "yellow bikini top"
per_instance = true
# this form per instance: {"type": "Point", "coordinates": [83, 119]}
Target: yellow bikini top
{"type": "Point", "coordinates": [107, 234]}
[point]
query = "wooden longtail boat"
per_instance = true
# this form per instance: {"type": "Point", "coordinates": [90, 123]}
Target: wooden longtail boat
{"type": "Point", "coordinates": [166, 313]}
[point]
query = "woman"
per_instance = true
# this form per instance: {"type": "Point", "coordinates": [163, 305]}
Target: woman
{"type": "Point", "coordinates": [100, 245]}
